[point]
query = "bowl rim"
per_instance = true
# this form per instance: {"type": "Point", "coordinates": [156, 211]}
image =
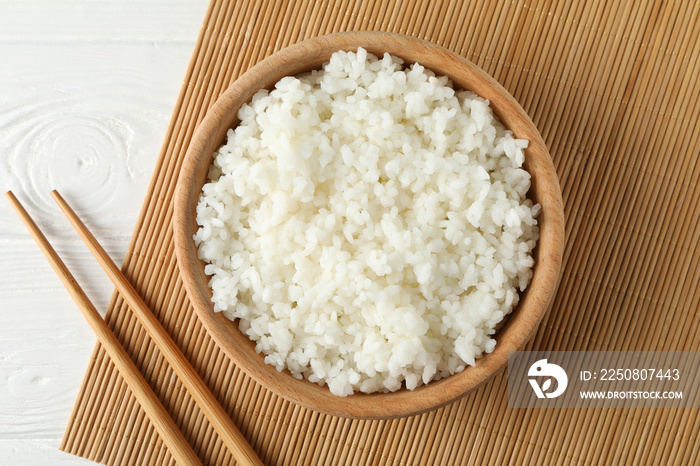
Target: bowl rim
{"type": "Point", "coordinates": [523, 320]}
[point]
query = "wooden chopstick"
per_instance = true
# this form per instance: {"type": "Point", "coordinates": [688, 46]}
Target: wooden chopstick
{"type": "Point", "coordinates": [178, 446]}
{"type": "Point", "coordinates": [205, 399]}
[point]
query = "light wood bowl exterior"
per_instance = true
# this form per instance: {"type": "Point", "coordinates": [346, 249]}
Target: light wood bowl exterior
{"type": "Point", "coordinates": [519, 326]}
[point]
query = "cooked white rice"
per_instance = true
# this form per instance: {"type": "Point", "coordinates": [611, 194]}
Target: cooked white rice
{"type": "Point", "coordinates": [368, 225]}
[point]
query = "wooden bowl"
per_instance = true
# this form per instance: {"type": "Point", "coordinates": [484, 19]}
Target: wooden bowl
{"type": "Point", "coordinates": [520, 325]}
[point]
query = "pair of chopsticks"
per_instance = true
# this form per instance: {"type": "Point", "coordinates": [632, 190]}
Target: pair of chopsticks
{"type": "Point", "coordinates": [180, 449]}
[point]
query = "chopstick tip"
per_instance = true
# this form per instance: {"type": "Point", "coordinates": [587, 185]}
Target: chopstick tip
{"type": "Point", "coordinates": [57, 197]}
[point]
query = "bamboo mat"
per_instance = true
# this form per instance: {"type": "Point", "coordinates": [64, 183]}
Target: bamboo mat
{"type": "Point", "coordinates": [613, 87]}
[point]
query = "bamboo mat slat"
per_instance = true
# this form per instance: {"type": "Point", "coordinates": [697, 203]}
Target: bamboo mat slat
{"type": "Point", "coordinates": [613, 88]}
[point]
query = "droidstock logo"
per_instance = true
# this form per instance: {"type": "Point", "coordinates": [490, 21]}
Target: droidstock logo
{"type": "Point", "coordinates": [542, 370]}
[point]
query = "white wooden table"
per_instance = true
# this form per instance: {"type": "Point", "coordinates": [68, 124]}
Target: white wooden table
{"type": "Point", "coordinates": [87, 88]}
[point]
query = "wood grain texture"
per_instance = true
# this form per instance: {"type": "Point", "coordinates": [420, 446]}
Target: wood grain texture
{"type": "Point", "coordinates": [86, 92]}
{"type": "Point", "coordinates": [177, 444]}
{"type": "Point", "coordinates": [612, 88]}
